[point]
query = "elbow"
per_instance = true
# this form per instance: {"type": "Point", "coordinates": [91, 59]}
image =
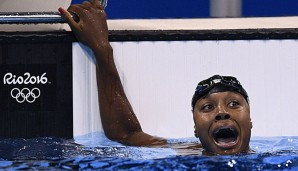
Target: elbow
{"type": "Point", "coordinates": [116, 134]}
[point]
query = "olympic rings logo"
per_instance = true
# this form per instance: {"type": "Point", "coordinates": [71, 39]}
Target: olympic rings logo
{"type": "Point", "coordinates": [25, 94]}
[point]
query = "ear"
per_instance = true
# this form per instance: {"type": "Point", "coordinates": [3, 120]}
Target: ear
{"type": "Point", "coordinates": [196, 132]}
{"type": "Point", "coordinates": [250, 124]}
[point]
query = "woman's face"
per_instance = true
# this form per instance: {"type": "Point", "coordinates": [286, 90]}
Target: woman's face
{"type": "Point", "coordinates": [222, 123]}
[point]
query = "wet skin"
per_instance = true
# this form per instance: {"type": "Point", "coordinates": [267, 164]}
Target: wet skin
{"type": "Point", "coordinates": [222, 122]}
{"type": "Point", "coordinates": [118, 118]}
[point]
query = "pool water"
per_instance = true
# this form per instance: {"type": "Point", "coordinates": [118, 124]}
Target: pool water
{"type": "Point", "coordinates": [96, 152]}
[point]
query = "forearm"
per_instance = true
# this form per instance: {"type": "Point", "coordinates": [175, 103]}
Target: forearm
{"type": "Point", "coordinates": [119, 120]}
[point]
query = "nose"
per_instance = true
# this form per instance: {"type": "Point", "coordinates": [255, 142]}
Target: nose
{"type": "Point", "coordinates": [222, 116]}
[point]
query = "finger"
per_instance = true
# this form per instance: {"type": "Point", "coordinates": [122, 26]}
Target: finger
{"type": "Point", "coordinates": [68, 18]}
{"type": "Point", "coordinates": [97, 4]}
{"type": "Point", "coordinates": [76, 9]}
{"type": "Point", "coordinates": [94, 2]}
{"type": "Point", "coordinates": [87, 4]}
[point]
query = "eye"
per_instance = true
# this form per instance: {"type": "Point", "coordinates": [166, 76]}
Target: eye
{"type": "Point", "coordinates": [234, 104]}
{"type": "Point", "coordinates": [207, 107]}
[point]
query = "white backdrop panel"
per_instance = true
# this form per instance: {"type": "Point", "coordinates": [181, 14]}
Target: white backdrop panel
{"type": "Point", "coordinates": [160, 78]}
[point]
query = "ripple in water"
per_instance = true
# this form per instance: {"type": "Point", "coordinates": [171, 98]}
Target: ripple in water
{"type": "Point", "coordinates": [94, 152]}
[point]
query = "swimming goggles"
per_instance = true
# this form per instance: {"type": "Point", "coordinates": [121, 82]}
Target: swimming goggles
{"type": "Point", "coordinates": [205, 86]}
{"type": "Point", "coordinates": [217, 79]}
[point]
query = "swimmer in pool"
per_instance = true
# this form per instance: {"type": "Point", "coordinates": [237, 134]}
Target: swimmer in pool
{"type": "Point", "coordinates": [220, 105]}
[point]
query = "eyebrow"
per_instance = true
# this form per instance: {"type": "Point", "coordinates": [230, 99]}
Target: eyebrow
{"type": "Point", "coordinates": [233, 94]}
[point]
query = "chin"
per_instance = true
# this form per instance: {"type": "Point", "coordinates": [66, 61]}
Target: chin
{"type": "Point", "coordinates": [232, 151]}
{"type": "Point", "coordinates": [226, 141]}
{"type": "Point", "coordinates": [218, 151]}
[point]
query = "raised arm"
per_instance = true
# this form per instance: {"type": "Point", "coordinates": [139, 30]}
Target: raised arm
{"type": "Point", "coordinates": [118, 119]}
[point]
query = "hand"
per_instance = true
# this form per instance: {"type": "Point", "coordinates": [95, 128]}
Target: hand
{"type": "Point", "coordinates": [91, 28]}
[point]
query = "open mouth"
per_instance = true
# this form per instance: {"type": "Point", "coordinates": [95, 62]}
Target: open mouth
{"type": "Point", "coordinates": [225, 137]}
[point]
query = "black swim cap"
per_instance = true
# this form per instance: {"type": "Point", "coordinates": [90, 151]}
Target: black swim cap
{"type": "Point", "coordinates": [227, 83]}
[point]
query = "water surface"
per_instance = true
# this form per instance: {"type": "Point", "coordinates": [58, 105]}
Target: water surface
{"type": "Point", "coordinates": [95, 151]}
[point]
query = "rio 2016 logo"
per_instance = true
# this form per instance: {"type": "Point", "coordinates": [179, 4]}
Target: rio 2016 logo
{"type": "Point", "coordinates": [25, 94]}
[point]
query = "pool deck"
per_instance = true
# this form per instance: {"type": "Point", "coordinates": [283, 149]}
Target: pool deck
{"type": "Point", "coordinates": [173, 24]}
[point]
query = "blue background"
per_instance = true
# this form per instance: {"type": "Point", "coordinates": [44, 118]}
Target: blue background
{"type": "Point", "coordinates": [122, 9]}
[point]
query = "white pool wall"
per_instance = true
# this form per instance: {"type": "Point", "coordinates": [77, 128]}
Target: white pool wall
{"type": "Point", "coordinates": [160, 77]}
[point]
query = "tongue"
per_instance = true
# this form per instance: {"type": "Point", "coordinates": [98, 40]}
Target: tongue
{"type": "Point", "coordinates": [225, 140]}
